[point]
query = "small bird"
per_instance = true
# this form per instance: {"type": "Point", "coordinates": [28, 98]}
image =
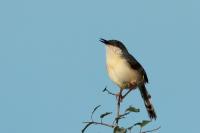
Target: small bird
{"type": "Point", "coordinates": [125, 71]}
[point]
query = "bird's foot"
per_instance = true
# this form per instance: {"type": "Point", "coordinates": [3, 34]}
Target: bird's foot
{"type": "Point", "coordinates": [132, 85]}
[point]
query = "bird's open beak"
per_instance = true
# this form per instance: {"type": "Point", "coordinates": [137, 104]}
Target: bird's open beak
{"type": "Point", "coordinates": [103, 41]}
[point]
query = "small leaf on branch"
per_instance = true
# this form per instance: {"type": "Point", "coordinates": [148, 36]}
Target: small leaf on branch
{"type": "Point", "coordinates": [143, 123]}
{"type": "Point", "coordinates": [105, 114]}
{"type": "Point", "coordinates": [119, 130]}
{"type": "Point", "coordinates": [125, 114]}
{"type": "Point", "coordinates": [139, 123]}
{"type": "Point", "coordinates": [122, 116]}
{"type": "Point", "coordinates": [132, 109]}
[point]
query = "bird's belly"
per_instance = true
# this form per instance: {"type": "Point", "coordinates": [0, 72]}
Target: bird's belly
{"type": "Point", "coordinates": [122, 74]}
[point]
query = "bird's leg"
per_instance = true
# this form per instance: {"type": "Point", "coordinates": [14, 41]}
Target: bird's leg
{"type": "Point", "coordinates": [132, 86]}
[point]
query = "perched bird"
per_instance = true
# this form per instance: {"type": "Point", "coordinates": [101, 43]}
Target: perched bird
{"type": "Point", "coordinates": [125, 71]}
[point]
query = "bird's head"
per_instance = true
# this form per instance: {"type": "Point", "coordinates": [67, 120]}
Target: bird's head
{"type": "Point", "coordinates": [114, 46]}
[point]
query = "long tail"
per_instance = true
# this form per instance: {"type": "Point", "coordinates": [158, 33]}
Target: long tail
{"type": "Point", "coordinates": [147, 102]}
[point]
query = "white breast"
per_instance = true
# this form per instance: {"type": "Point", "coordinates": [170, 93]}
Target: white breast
{"type": "Point", "coordinates": [120, 71]}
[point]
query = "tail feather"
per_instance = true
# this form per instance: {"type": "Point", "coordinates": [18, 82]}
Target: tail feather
{"type": "Point", "coordinates": [147, 102]}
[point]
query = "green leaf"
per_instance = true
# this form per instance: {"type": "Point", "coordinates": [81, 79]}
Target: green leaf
{"type": "Point", "coordinates": [144, 123]}
{"type": "Point", "coordinates": [132, 109]}
{"type": "Point", "coordinates": [139, 124]}
{"type": "Point", "coordinates": [119, 130]}
{"type": "Point", "coordinates": [105, 114]}
{"type": "Point", "coordinates": [123, 115]}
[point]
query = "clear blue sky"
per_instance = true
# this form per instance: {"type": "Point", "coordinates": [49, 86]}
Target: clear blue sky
{"type": "Point", "coordinates": [52, 66]}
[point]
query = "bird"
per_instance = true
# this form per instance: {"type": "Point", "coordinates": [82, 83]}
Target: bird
{"type": "Point", "coordinates": [126, 72]}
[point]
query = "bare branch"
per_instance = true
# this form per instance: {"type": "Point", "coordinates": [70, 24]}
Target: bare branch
{"type": "Point", "coordinates": [118, 106]}
{"type": "Point", "coordinates": [148, 131]}
{"type": "Point", "coordinates": [100, 123]}
{"type": "Point", "coordinates": [94, 111]}
{"type": "Point", "coordinates": [88, 124]}
{"type": "Point", "coordinates": [118, 117]}
{"type": "Point", "coordinates": [140, 129]}
{"type": "Point", "coordinates": [109, 92]}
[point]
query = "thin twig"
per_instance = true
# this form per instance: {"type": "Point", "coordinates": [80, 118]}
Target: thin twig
{"type": "Point", "coordinates": [121, 117]}
{"type": "Point", "coordinates": [140, 130]}
{"type": "Point", "coordinates": [83, 130]}
{"type": "Point", "coordinates": [91, 117]}
{"type": "Point", "coordinates": [109, 92]}
{"type": "Point", "coordinates": [100, 123]}
{"type": "Point", "coordinates": [152, 130]}
{"type": "Point", "coordinates": [118, 106]}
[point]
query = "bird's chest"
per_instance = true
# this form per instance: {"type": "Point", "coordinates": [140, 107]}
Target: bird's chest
{"type": "Point", "coordinates": [120, 71]}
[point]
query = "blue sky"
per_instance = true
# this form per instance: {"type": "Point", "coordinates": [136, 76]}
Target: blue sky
{"type": "Point", "coordinates": [52, 66]}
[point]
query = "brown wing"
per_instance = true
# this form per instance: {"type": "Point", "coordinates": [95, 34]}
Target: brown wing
{"type": "Point", "coordinates": [136, 65]}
